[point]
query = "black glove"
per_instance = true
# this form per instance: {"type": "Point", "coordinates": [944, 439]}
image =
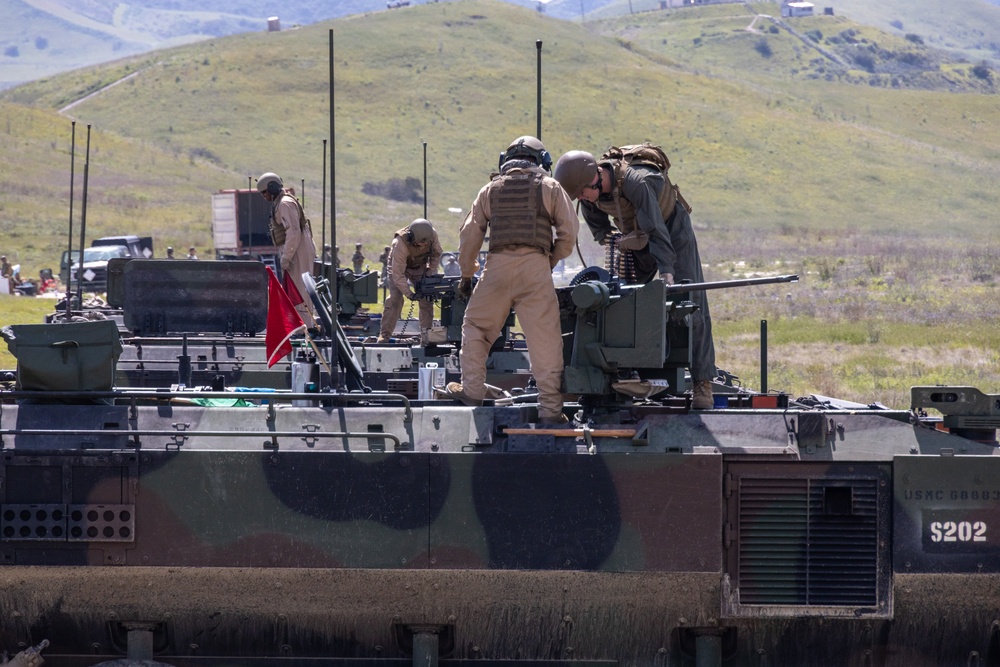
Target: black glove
{"type": "Point", "coordinates": [413, 296]}
{"type": "Point", "coordinates": [464, 289]}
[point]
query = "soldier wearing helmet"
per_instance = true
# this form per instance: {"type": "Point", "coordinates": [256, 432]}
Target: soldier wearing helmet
{"type": "Point", "coordinates": [384, 260]}
{"type": "Point", "coordinates": [531, 225]}
{"type": "Point", "coordinates": [358, 258]}
{"type": "Point", "coordinates": [292, 236]}
{"type": "Point", "coordinates": [656, 224]}
{"type": "Point", "coordinates": [415, 252]}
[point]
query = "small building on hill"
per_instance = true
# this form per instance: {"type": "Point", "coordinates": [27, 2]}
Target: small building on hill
{"type": "Point", "coordinates": [791, 9]}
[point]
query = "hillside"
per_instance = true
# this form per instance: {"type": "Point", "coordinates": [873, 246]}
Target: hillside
{"type": "Point", "coordinates": [461, 76]}
{"type": "Point", "coordinates": [41, 38]}
{"type": "Point", "coordinates": [718, 40]}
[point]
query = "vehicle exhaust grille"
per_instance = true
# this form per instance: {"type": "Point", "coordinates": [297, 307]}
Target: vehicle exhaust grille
{"type": "Point", "coordinates": [814, 541]}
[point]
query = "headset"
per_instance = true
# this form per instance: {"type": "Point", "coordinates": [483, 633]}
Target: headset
{"type": "Point", "coordinates": [542, 158]}
{"type": "Point", "coordinates": [273, 188]}
{"type": "Point", "coordinates": [545, 162]}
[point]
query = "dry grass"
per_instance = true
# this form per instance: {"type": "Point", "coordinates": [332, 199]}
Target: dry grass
{"type": "Point", "coordinates": [870, 317]}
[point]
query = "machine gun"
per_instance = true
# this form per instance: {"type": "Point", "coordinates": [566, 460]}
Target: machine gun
{"type": "Point", "coordinates": [441, 288]}
{"type": "Point", "coordinates": [436, 286]}
{"type": "Point", "coordinates": [621, 330]}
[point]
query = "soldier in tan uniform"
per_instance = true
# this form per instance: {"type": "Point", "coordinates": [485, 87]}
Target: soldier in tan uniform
{"type": "Point", "coordinates": [647, 209]}
{"type": "Point", "coordinates": [292, 236]}
{"type": "Point", "coordinates": [415, 252]}
{"type": "Point", "coordinates": [531, 225]}
{"type": "Point", "coordinates": [358, 258]}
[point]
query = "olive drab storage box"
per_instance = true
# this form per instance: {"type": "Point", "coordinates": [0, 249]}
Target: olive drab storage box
{"type": "Point", "coordinates": [65, 357]}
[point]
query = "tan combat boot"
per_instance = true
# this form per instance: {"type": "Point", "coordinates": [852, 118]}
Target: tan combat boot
{"type": "Point", "coordinates": [554, 420]}
{"type": "Point", "coordinates": [456, 391]}
{"type": "Point", "coordinates": [703, 396]}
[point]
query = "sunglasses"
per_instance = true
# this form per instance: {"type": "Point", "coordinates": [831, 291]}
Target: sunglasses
{"type": "Point", "coordinates": [596, 185]}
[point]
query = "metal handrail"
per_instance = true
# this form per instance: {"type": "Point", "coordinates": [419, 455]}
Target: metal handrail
{"type": "Point", "coordinates": [135, 394]}
{"type": "Point", "coordinates": [177, 435]}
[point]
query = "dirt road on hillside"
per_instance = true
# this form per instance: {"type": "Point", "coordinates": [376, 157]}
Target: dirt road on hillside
{"type": "Point", "coordinates": [57, 9]}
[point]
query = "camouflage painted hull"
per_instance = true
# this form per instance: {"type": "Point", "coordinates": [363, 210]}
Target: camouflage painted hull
{"type": "Point", "coordinates": [329, 535]}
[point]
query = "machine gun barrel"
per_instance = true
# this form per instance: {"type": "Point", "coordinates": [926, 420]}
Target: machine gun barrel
{"type": "Point", "coordinates": [725, 284]}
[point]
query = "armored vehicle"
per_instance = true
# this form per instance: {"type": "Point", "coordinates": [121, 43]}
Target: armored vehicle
{"type": "Point", "coordinates": [333, 524]}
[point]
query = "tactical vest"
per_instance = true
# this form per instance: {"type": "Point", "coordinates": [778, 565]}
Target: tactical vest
{"type": "Point", "coordinates": [622, 209]}
{"type": "Point", "coordinates": [277, 229]}
{"type": "Point", "coordinates": [517, 217]}
{"type": "Point", "coordinates": [417, 257]}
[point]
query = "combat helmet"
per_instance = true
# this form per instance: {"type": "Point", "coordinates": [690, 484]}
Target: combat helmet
{"type": "Point", "coordinates": [421, 231]}
{"type": "Point", "coordinates": [575, 170]}
{"type": "Point", "coordinates": [265, 181]}
{"type": "Point", "coordinates": [527, 147]}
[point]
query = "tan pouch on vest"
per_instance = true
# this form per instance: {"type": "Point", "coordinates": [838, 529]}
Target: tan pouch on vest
{"type": "Point", "coordinates": [636, 240]}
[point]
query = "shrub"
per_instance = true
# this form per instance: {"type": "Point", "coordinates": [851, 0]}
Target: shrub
{"type": "Point", "coordinates": [815, 35]}
{"type": "Point", "coordinates": [396, 189]}
{"type": "Point", "coordinates": [12, 52]}
{"type": "Point", "coordinates": [982, 71]}
{"type": "Point", "coordinates": [865, 61]}
{"type": "Point", "coordinates": [763, 48]}
{"type": "Point", "coordinates": [916, 39]}
{"type": "Point", "coordinates": [911, 58]}
{"type": "Point", "coordinates": [898, 25]}
{"type": "Point", "coordinates": [41, 43]}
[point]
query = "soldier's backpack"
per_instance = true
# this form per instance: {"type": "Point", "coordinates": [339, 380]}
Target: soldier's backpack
{"type": "Point", "coordinates": [645, 154]}
{"type": "Point", "coordinates": [636, 154]}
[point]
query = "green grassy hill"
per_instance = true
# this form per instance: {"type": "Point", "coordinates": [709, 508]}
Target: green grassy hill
{"type": "Point", "coordinates": [36, 44]}
{"type": "Point", "coordinates": [40, 38]}
{"type": "Point", "coordinates": [43, 37]}
{"type": "Point", "coordinates": [967, 29]}
{"type": "Point", "coordinates": [761, 153]}
{"type": "Point", "coordinates": [883, 198]}
{"type": "Point", "coordinates": [719, 38]}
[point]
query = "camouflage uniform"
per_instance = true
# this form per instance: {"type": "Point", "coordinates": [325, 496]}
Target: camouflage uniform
{"type": "Point", "coordinates": [519, 277]}
{"type": "Point", "coordinates": [642, 199]}
{"type": "Point", "coordinates": [358, 259]}
{"type": "Point", "coordinates": [383, 274]}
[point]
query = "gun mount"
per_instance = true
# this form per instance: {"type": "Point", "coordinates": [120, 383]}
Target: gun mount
{"type": "Point", "coordinates": [354, 290]}
{"type": "Point", "coordinates": [627, 332]}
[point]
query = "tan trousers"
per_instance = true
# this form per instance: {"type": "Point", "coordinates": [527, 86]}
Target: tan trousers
{"type": "Point", "coordinates": [522, 281]}
{"type": "Point", "coordinates": [394, 308]}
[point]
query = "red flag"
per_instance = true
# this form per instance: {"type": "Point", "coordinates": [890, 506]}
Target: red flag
{"type": "Point", "coordinates": [283, 321]}
{"type": "Point", "coordinates": [292, 291]}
